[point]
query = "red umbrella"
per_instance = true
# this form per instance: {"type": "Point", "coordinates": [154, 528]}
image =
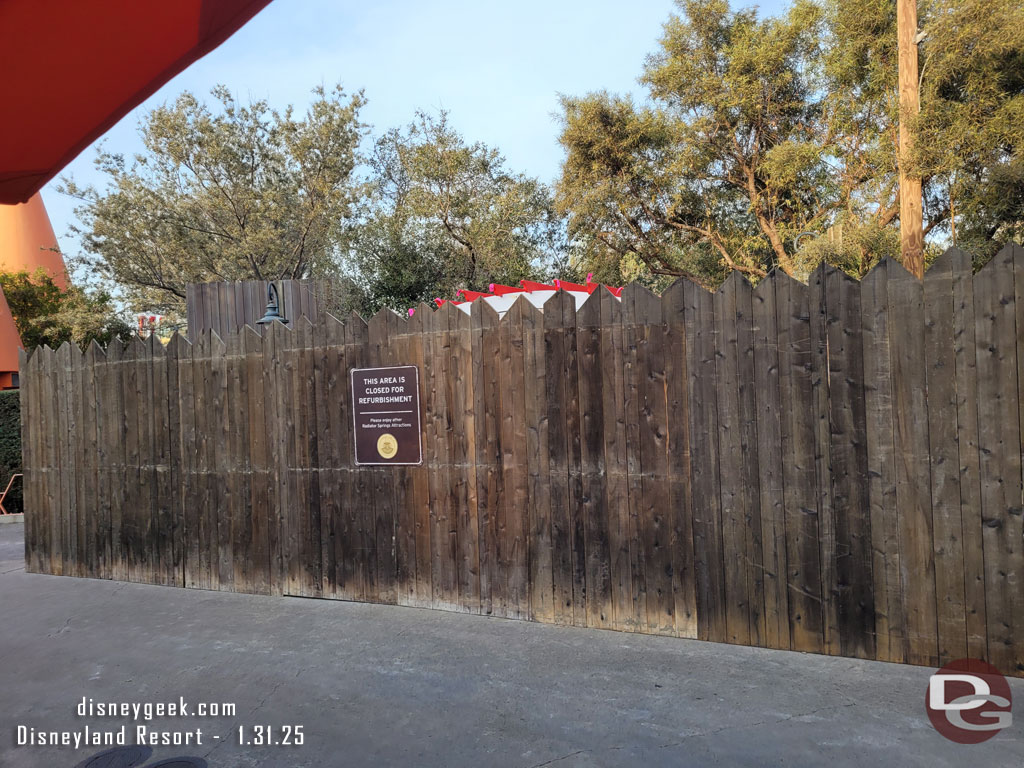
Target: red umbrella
{"type": "Point", "coordinates": [73, 68]}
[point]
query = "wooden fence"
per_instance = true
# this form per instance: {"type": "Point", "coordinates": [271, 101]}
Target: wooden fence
{"type": "Point", "coordinates": [224, 308]}
{"type": "Point", "coordinates": [833, 467]}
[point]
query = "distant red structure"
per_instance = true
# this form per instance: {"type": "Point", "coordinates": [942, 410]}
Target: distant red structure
{"type": "Point", "coordinates": [27, 243]}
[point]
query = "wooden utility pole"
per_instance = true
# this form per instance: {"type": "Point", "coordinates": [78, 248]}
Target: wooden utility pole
{"type": "Point", "coordinates": [911, 224]}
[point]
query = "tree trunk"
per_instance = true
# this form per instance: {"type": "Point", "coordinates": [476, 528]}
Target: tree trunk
{"type": "Point", "coordinates": [911, 223]}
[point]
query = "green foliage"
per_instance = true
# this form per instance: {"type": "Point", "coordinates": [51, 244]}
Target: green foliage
{"type": "Point", "coordinates": [764, 142]}
{"type": "Point", "coordinates": [762, 132]}
{"type": "Point", "coordinates": [971, 126]}
{"type": "Point", "coordinates": [970, 131]}
{"type": "Point", "coordinates": [724, 168]}
{"type": "Point", "coordinates": [242, 192]}
{"type": "Point", "coordinates": [45, 314]}
{"type": "Point", "coordinates": [440, 214]}
{"type": "Point", "coordinates": [10, 448]}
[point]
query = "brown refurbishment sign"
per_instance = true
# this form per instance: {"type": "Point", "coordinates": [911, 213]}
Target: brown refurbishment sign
{"type": "Point", "coordinates": [386, 415]}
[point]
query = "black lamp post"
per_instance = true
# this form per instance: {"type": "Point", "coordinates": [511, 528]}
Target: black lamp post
{"type": "Point", "coordinates": [273, 312]}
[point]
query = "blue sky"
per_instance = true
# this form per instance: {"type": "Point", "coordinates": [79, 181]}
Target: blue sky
{"type": "Point", "coordinates": [497, 67]}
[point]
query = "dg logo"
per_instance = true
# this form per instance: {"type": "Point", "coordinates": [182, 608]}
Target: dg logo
{"type": "Point", "coordinates": [969, 701]}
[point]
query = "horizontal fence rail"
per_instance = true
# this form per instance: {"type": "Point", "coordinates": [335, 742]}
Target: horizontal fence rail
{"type": "Point", "coordinates": [832, 467]}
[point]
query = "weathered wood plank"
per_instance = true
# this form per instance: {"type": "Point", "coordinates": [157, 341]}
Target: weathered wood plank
{"type": "Point", "coordinates": [328, 336]}
{"type": "Point", "coordinates": [107, 440]}
{"type": "Point", "coordinates": [275, 396]}
{"type": "Point", "coordinates": [294, 518]}
{"type": "Point", "coordinates": [260, 461]}
{"type": "Point", "coordinates": [149, 526]}
{"type": "Point", "coordinates": [114, 442]}
{"type": "Point", "coordinates": [405, 500]}
{"type": "Point", "coordinates": [656, 527]}
{"type": "Point", "coordinates": [77, 466]}
{"type": "Point", "coordinates": [463, 457]}
{"type": "Point", "coordinates": [182, 411]}
{"type": "Point", "coordinates": [701, 369]}
{"type": "Point", "coordinates": [191, 307]}
{"type": "Point", "coordinates": [944, 459]}
{"type": "Point", "coordinates": [614, 438]}
{"type": "Point", "coordinates": [574, 459]}
{"type": "Point", "coordinates": [82, 467]}
{"type": "Point", "coordinates": [238, 509]}
{"type": "Point", "coordinates": [133, 382]}
{"type": "Point", "coordinates": [444, 534]}
{"type": "Point", "coordinates": [632, 335]}
{"type": "Point", "coordinates": [489, 476]}
{"type": "Point", "coordinates": [890, 624]}
{"type": "Point", "coordinates": [556, 366]}
{"type": "Point", "coordinates": [94, 360]}
{"type": "Point", "coordinates": [913, 481]}
{"type": "Point", "coordinates": [966, 361]}
{"type": "Point", "coordinates": [673, 304]}
{"type": "Point", "coordinates": [434, 455]}
{"type": "Point", "coordinates": [218, 514]}
{"type": "Point", "coordinates": [772, 501]}
{"type": "Point", "coordinates": [849, 466]}
{"type": "Point", "coordinates": [54, 563]}
{"type": "Point", "coordinates": [307, 460]}
{"type": "Point", "coordinates": [514, 469]}
{"type": "Point", "coordinates": [600, 611]}
{"type": "Point", "coordinates": [798, 463]}
{"type": "Point", "coordinates": [539, 500]}
{"type": "Point", "coordinates": [229, 317]}
{"type": "Point", "coordinates": [67, 512]}
{"type": "Point", "coordinates": [359, 488]}
{"type": "Point", "coordinates": [744, 605]}
{"type": "Point", "coordinates": [163, 529]}
{"type": "Point", "coordinates": [826, 508]}
{"type": "Point", "coordinates": [749, 473]}
{"type": "Point", "coordinates": [419, 329]}
{"type": "Point", "coordinates": [197, 556]}
{"type": "Point", "coordinates": [381, 518]}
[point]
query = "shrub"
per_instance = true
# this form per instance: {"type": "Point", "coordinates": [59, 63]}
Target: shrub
{"type": "Point", "coordinates": [10, 448]}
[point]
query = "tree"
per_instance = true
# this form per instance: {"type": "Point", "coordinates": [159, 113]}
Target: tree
{"type": "Point", "coordinates": [762, 134]}
{"type": "Point", "coordinates": [968, 135]}
{"type": "Point", "coordinates": [971, 126]}
{"type": "Point", "coordinates": [45, 314]}
{"type": "Point", "coordinates": [439, 214]}
{"type": "Point", "coordinates": [242, 192]}
{"type": "Point", "coordinates": [725, 167]}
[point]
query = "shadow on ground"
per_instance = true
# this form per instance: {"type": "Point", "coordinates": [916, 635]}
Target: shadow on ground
{"type": "Point", "coordinates": [378, 685]}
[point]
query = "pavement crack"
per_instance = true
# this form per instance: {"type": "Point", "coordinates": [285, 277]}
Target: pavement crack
{"type": "Point", "coordinates": [215, 747]}
{"type": "Point", "coordinates": [63, 629]}
{"type": "Point", "coordinates": [19, 568]}
{"type": "Point", "coordinates": [573, 754]}
{"type": "Point", "coordinates": [264, 700]}
{"type": "Point", "coordinates": [559, 759]}
{"type": "Point", "coordinates": [274, 690]}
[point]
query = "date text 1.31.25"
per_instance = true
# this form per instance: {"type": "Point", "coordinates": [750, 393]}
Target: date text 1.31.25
{"type": "Point", "coordinates": [269, 736]}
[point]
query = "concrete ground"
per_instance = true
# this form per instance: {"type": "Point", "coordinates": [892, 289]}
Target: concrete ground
{"type": "Point", "coordinates": [377, 685]}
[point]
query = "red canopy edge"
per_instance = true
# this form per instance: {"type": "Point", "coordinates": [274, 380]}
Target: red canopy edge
{"type": "Point", "coordinates": [217, 21]}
